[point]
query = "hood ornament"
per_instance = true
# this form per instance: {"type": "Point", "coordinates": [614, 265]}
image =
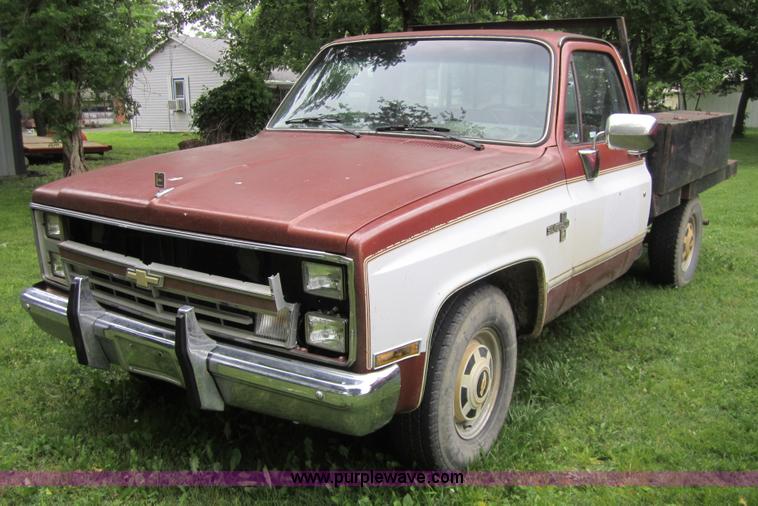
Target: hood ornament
{"type": "Point", "coordinates": [160, 182]}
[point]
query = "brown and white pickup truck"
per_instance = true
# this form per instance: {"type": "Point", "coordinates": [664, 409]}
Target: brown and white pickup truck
{"type": "Point", "coordinates": [418, 201]}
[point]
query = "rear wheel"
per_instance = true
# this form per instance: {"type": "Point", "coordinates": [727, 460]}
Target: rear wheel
{"type": "Point", "coordinates": [674, 246]}
{"type": "Point", "coordinates": [469, 384]}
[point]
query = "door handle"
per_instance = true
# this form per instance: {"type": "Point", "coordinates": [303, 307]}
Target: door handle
{"type": "Point", "coordinates": [590, 158]}
{"type": "Point", "coordinates": [590, 162]}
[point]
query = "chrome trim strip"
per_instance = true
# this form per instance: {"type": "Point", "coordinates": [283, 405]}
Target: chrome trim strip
{"type": "Point", "coordinates": [286, 250]}
{"type": "Point", "coordinates": [169, 271]}
{"type": "Point", "coordinates": [226, 241]}
{"type": "Point", "coordinates": [314, 394]}
{"type": "Point", "coordinates": [582, 38]}
{"type": "Point", "coordinates": [550, 104]}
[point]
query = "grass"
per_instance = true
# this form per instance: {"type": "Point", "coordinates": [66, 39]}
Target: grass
{"type": "Point", "coordinates": [636, 378]}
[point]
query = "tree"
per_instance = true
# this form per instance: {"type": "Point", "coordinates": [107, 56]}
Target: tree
{"type": "Point", "coordinates": [675, 44]}
{"type": "Point", "coordinates": [288, 34]}
{"type": "Point", "coordinates": [669, 40]}
{"type": "Point", "coordinates": [266, 34]}
{"type": "Point", "coordinates": [742, 39]}
{"type": "Point", "coordinates": [409, 11]}
{"type": "Point", "coordinates": [54, 50]}
{"type": "Point", "coordinates": [749, 92]}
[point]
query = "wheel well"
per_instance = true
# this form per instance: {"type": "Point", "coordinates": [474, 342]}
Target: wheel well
{"type": "Point", "coordinates": [524, 285]}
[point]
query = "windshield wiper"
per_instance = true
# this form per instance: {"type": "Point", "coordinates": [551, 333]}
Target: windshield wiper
{"type": "Point", "coordinates": [322, 120]}
{"type": "Point", "coordinates": [433, 130]}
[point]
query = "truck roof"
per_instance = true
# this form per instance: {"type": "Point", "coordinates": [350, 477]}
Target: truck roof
{"type": "Point", "coordinates": [551, 37]}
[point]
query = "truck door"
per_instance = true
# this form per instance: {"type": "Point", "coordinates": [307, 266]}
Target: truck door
{"type": "Point", "coordinates": [607, 221]}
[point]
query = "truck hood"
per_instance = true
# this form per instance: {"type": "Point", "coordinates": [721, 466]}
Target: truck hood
{"type": "Point", "coordinates": [303, 189]}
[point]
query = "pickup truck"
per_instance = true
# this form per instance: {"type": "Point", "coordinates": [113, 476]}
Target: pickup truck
{"type": "Point", "coordinates": [418, 201]}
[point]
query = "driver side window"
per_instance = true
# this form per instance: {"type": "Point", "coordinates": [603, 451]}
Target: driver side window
{"type": "Point", "coordinates": [594, 89]}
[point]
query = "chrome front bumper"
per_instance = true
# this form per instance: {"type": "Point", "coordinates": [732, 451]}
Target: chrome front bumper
{"type": "Point", "coordinates": [215, 374]}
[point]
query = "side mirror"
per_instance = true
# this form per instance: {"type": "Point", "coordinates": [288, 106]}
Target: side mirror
{"type": "Point", "coordinates": [632, 132]}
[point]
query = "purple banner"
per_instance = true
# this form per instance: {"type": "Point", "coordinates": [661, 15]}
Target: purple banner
{"type": "Point", "coordinates": [375, 478]}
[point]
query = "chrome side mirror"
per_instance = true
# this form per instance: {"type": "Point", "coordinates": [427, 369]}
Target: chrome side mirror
{"type": "Point", "coordinates": [632, 132]}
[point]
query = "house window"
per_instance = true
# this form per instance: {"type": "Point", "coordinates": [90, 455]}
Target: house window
{"type": "Point", "coordinates": [179, 88]}
{"type": "Point", "coordinates": [178, 102]}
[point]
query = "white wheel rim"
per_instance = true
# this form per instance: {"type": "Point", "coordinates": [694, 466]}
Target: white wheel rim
{"type": "Point", "coordinates": [477, 383]}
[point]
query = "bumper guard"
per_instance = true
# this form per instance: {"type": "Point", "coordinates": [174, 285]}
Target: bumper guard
{"type": "Point", "coordinates": [215, 374]}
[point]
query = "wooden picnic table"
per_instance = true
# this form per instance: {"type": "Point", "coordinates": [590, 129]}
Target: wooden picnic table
{"type": "Point", "coordinates": [35, 145]}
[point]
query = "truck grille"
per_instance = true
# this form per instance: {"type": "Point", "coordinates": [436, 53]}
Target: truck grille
{"type": "Point", "coordinates": [246, 292]}
{"type": "Point", "coordinates": [257, 321]}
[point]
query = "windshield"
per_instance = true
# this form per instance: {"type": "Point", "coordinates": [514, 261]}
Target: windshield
{"type": "Point", "coordinates": [480, 89]}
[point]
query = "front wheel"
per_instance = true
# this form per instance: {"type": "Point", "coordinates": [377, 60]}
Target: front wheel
{"type": "Point", "coordinates": [469, 384]}
{"type": "Point", "coordinates": [674, 245]}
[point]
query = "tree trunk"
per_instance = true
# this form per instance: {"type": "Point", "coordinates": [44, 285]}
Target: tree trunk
{"type": "Point", "coordinates": [311, 5]}
{"type": "Point", "coordinates": [40, 123]}
{"type": "Point", "coordinates": [375, 21]}
{"type": "Point", "coordinates": [409, 11]}
{"type": "Point", "coordinates": [739, 122]}
{"type": "Point", "coordinates": [70, 132]}
{"type": "Point", "coordinates": [644, 72]}
{"type": "Point", "coordinates": [73, 153]}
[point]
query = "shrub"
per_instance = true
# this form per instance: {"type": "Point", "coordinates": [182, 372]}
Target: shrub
{"type": "Point", "coordinates": [237, 109]}
{"type": "Point", "coordinates": [191, 143]}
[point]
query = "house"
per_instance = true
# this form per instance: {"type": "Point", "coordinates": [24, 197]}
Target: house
{"type": "Point", "coordinates": [180, 70]}
{"type": "Point", "coordinates": [726, 103]}
{"type": "Point", "coordinates": [280, 80]}
{"type": "Point", "coordinates": [715, 102]}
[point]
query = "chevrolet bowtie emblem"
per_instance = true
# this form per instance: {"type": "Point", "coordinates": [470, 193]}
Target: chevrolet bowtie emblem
{"type": "Point", "coordinates": [143, 279]}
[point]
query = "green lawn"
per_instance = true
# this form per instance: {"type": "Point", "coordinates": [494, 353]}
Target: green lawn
{"type": "Point", "coordinates": [637, 378]}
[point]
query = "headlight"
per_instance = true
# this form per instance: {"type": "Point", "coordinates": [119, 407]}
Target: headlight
{"type": "Point", "coordinates": [327, 332]}
{"type": "Point", "coordinates": [324, 280]}
{"type": "Point", "coordinates": [53, 226]}
{"type": "Point", "coordinates": [56, 266]}
{"type": "Point", "coordinates": [49, 231]}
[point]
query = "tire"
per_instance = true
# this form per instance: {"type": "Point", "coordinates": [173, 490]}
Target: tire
{"type": "Point", "coordinates": [469, 383]}
{"type": "Point", "coordinates": [674, 245]}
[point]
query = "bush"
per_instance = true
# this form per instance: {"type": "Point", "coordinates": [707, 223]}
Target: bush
{"type": "Point", "coordinates": [191, 143]}
{"type": "Point", "coordinates": [237, 109]}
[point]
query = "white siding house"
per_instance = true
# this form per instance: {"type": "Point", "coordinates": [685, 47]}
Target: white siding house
{"type": "Point", "coordinates": [726, 103]}
{"type": "Point", "coordinates": [183, 68]}
{"type": "Point", "coordinates": [716, 103]}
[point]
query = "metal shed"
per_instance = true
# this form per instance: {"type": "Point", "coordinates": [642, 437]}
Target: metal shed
{"type": "Point", "coordinates": [11, 146]}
